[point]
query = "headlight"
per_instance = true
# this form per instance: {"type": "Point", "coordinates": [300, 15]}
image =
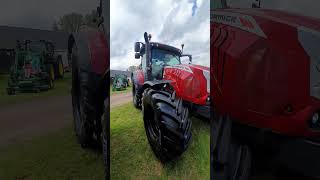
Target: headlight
{"type": "Point", "coordinates": [314, 122]}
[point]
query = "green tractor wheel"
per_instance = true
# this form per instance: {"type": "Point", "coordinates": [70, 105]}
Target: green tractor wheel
{"type": "Point", "coordinates": [59, 69]}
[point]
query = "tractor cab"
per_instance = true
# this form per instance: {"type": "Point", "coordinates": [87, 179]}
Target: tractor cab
{"type": "Point", "coordinates": [155, 56]}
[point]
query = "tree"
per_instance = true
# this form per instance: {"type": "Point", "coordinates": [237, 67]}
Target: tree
{"type": "Point", "coordinates": [55, 26]}
{"type": "Point", "coordinates": [91, 19]}
{"type": "Point", "coordinates": [132, 68]}
{"type": "Point", "coordinates": [71, 22]}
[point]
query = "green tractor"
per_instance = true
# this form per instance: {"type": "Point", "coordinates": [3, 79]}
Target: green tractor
{"type": "Point", "coordinates": [35, 67]}
{"type": "Point", "coordinates": [120, 82]}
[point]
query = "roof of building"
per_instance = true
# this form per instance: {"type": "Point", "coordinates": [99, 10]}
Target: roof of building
{"type": "Point", "coordinates": [10, 35]}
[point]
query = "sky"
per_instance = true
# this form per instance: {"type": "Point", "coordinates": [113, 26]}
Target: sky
{"type": "Point", "coordinates": [40, 14]}
{"type": "Point", "coordinates": [172, 22]}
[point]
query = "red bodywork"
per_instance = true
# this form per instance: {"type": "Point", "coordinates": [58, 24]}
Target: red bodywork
{"type": "Point", "coordinates": [260, 69]}
{"type": "Point", "coordinates": [189, 82]}
{"type": "Point", "coordinates": [98, 50]}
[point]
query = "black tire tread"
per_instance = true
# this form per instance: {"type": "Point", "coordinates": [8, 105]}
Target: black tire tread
{"type": "Point", "coordinates": [175, 125]}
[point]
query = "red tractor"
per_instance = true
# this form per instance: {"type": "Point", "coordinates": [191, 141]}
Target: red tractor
{"type": "Point", "coordinates": [167, 90]}
{"type": "Point", "coordinates": [265, 77]}
{"type": "Point", "coordinates": [89, 53]}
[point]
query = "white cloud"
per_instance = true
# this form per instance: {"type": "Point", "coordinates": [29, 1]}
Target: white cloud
{"type": "Point", "coordinates": [170, 22]}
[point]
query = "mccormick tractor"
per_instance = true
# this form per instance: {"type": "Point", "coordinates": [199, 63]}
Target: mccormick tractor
{"type": "Point", "coordinates": [265, 91]}
{"type": "Point", "coordinates": [35, 67]}
{"type": "Point", "coordinates": [89, 54]}
{"type": "Point", "coordinates": [120, 82]}
{"type": "Point", "coordinates": [167, 90]}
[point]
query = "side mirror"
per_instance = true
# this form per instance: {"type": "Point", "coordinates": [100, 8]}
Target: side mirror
{"type": "Point", "coordinates": [136, 47]}
{"type": "Point", "coordinates": [137, 55]}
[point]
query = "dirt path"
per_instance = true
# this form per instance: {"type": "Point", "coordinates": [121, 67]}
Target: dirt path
{"type": "Point", "coordinates": [26, 120]}
{"type": "Point", "coordinates": [119, 99]}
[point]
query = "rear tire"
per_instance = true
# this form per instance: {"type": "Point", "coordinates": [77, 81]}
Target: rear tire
{"type": "Point", "coordinates": [59, 70]}
{"type": "Point", "coordinates": [87, 105]}
{"type": "Point", "coordinates": [230, 158]}
{"type": "Point", "coordinates": [167, 125]}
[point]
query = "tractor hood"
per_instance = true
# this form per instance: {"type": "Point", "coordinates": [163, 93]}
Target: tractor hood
{"type": "Point", "coordinates": [264, 61]}
{"type": "Point", "coordinates": [263, 16]}
{"type": "Point", "coordinates": [191, 82]}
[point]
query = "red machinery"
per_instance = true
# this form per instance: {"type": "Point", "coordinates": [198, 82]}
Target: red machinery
{"type": "Point", "coordinates": [167, 90]}
{"type": "Point", "coordinates": [265, 77]}
{"type": "Point", "coordinates": [89, 53]}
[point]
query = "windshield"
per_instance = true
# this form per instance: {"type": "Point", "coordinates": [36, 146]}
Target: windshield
{"type": "Point", "coordinates": [164, 57]}
{"type": "Point", "coordinates": [305, 7]}
{"type": "Point", "coordinates": [36, 47]}
{"type": "Point", "coordinates": [161, 58]}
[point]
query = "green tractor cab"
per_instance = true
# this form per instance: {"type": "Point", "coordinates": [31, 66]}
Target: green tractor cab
{"type": "Point", "coordinates": [34, 69]}
{"type": "Point", "coordinates": [120, 82]}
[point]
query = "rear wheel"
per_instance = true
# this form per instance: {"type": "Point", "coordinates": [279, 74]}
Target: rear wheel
{"type": "Point", "coordinates": [87, 104]}
{"type": "Point", "coordinates": [230, 158]}
{"type": "Point", "coordinates": [167, 124]}
{"type": "Point", "coordinates": [59, 70]}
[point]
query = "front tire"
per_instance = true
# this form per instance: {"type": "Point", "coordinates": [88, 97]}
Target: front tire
{"type": "Point", "coordinates": [167, 125]}
{"type": "Point", "coordinates": [230, 158]}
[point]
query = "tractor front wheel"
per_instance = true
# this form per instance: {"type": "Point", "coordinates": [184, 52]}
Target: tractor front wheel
{"type": "Point", "coordinates": [166, 122]}
{"type": "Point", "coordinates": [230, 159]}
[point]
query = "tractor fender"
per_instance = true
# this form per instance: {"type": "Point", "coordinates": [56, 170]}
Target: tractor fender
{"type": "Point", "coordinates": [156, 84]}
{"type": "Point", "coordinates": [92, 52]}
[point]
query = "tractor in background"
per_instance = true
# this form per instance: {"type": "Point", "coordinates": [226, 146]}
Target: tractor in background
{"type": "Point", "coordinates": [167, 91]}
{"type": "Point", "coordinates": [120, 82]}
{"type": "Point", "coordinates": [35, 67]}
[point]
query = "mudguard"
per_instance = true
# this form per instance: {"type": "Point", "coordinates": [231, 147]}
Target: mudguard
{"type": "Point", "coordinates": [92, 46]}
{"type": "Point", "coordinates": [191, 82]}
{"type": "Point", "coordinates": [93, 53]}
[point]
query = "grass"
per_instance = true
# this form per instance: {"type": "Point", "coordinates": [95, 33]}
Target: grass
{"type": "Point", "coordinates": [54, 156]}
{"type": "Point", "coordinates": [59, 156]}
{"type": "Point", "coordinates": [132, 158]}
{"type": "Point", "coordinates": [62, 87]}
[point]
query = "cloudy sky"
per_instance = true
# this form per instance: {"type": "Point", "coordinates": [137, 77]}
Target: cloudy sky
{"type": "Point", "coordinates": [40, 14]}
{"type": "Point", "coordinates": [173, 22]}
